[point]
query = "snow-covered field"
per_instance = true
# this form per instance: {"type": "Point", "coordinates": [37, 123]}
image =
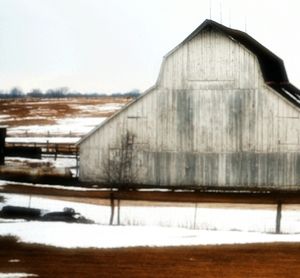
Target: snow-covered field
{"type": "Point", "coordinates": [55, 118]}
{"type": "Point", "coordinates": [157, 229]}
{"type": "Point", "coordinates": [60, 162]}
{"type": "Point", "coordinates": [69, 127]}
{"type": "Point", "coordinates": [43, 140]}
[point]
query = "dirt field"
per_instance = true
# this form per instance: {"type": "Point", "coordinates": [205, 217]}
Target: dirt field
{"type": "Point", "coordinates": [239, 261]}
{"type": "Point", "coordinates": [47, 111]}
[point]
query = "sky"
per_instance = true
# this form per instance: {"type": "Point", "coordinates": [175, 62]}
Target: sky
{"type": "Point", "coordinates": [112, 46]}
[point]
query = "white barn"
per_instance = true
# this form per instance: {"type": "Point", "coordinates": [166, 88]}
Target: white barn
{"type": "Point", "coordinates": [221, 114]}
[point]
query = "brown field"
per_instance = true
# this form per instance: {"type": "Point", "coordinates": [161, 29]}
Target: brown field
{"type": "Point", "coordinates": [280, 260]}
{"type": "Point", "coordinates": [46, 111]}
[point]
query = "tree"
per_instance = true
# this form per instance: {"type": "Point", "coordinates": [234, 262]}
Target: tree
{"type": "Point", "coordinates": [35, 93]}
{"type": "Point", "coordinates": [118, 167]}
{"type": "Point", "coordinates": [134, 93]}
{"type": "Point", "coordinates": [16, 93]}
{"type": "Point", "coordinates": [118, 170]}
{"type": "Point", "coordinates": [57, 93]}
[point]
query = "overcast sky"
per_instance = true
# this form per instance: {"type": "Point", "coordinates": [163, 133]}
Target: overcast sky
{"type": "Point", "coordinates": [117, 45]}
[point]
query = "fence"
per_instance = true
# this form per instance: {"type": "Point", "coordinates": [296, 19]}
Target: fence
{"type": "Point", "coordinates": [49, 148]}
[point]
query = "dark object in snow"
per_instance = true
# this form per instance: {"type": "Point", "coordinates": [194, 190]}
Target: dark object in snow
{"type": "Point", "coordinates": [67, 215]}
{"type": "Point", "coordinates": [20, 212]}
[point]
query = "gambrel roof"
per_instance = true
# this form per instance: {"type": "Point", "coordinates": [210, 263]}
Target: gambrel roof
{"type": "Point", "coordinates": [271, 65]}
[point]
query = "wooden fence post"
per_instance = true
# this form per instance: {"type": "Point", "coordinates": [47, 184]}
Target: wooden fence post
{"type": "Point", "coordinates": [119, 210]}
{"type": "Point", "coordinates": [112, 205]}
{"type": "Point", "coordinates": [278, 218]}
{"type": "Point", "coordinates": [195, 215]}
{"type": "Point", "coordinates": [56, 151]}
{"type": "Point", "coordinates": [77, 161]}
{"type": "Point", "coordinates": [2, 145]}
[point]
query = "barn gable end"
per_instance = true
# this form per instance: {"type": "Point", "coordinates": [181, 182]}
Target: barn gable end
{"type": "Point", "coordinates": [216, 117]}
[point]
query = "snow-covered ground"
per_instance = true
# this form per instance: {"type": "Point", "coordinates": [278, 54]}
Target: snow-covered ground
{"type": "Point", "coordinates": [88, 115]}
{"type": "Point", "coordinates": [107, 107]}
{"type": "Point", "coordinates": [156, 229]}
{"type": "Point", "coordinates": [60, 162]}
{"type": "Point", "coordinates": [100, 236]}
{"type": "Point", "coordinates": [43, 140]}
{"type": "Point", "coordinates": [64, 127]}
{"type": "Point", "coordinates": [47, 160]}
{"type": "Point", "coordinates": [16, 275]}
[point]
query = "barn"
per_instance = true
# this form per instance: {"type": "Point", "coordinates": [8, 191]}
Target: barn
{"type": "Point", "coordinates": [222, 114]}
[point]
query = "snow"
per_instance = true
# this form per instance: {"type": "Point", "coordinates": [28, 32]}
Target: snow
{"type": "Point", "coordinates": [14, 261]}
{"type": "Point", "coordinates": [100, 236]}
{"type": "Point", "coordinates": [27, 118]}
{"type": "Point", "coordinates": [77, 126]}
{"type": "Point", "coordinates": [16, 275]}
{"type": "Point", "coordinates": [153, 226]}
{"type": "Point", "coordinates": [4, 117]}
{"type": "Point", "coordinates": [60, 162]}
{"type": "Point", "coordinates": [43, 140]}
{"type": "Point", "coordinates": [72, 188]}
{"type": "Point", "coordinates": [98, 213]}
{"type": "Point", "coordinates": [107, 107]}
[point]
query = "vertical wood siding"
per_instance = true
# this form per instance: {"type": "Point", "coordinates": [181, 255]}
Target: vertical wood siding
{"type": "Point", "coordinates": [210, 120]}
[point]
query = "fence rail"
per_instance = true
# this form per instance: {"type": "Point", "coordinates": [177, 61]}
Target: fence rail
{"type": "Point", "coordinates": [49, 148]}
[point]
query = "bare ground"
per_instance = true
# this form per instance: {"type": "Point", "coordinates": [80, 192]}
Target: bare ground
{"type": "Point", "coordinates": [46, 111]}
{"type": "Point", "coordinates": [227, 261]}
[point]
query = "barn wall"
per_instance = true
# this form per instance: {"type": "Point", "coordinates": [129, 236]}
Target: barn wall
{"type": "Point", "coordinates": [210, 121]}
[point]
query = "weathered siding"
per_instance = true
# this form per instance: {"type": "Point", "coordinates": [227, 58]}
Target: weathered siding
{"type": "Point", "coordinates": [210, 120]}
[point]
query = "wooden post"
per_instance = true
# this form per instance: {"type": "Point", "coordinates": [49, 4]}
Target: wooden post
{"type": "Point", "coordinates": [195, 215]}
{"type": "Point", "coordinates": [119, 217]}
{"type": "Point", "coordinates": [278, 218]}
{"type": "Point", "coordinates": [112, 206]}
{"type": "Point", "coordinates": [77, 163]}
{"type": "Point", "coordinates": [56, 151]}
{"type": "Point", "coordinates": [2, 145]}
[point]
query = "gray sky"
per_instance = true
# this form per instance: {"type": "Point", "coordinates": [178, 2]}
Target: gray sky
{"type": "Point", "coordinates": [117, 45]}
